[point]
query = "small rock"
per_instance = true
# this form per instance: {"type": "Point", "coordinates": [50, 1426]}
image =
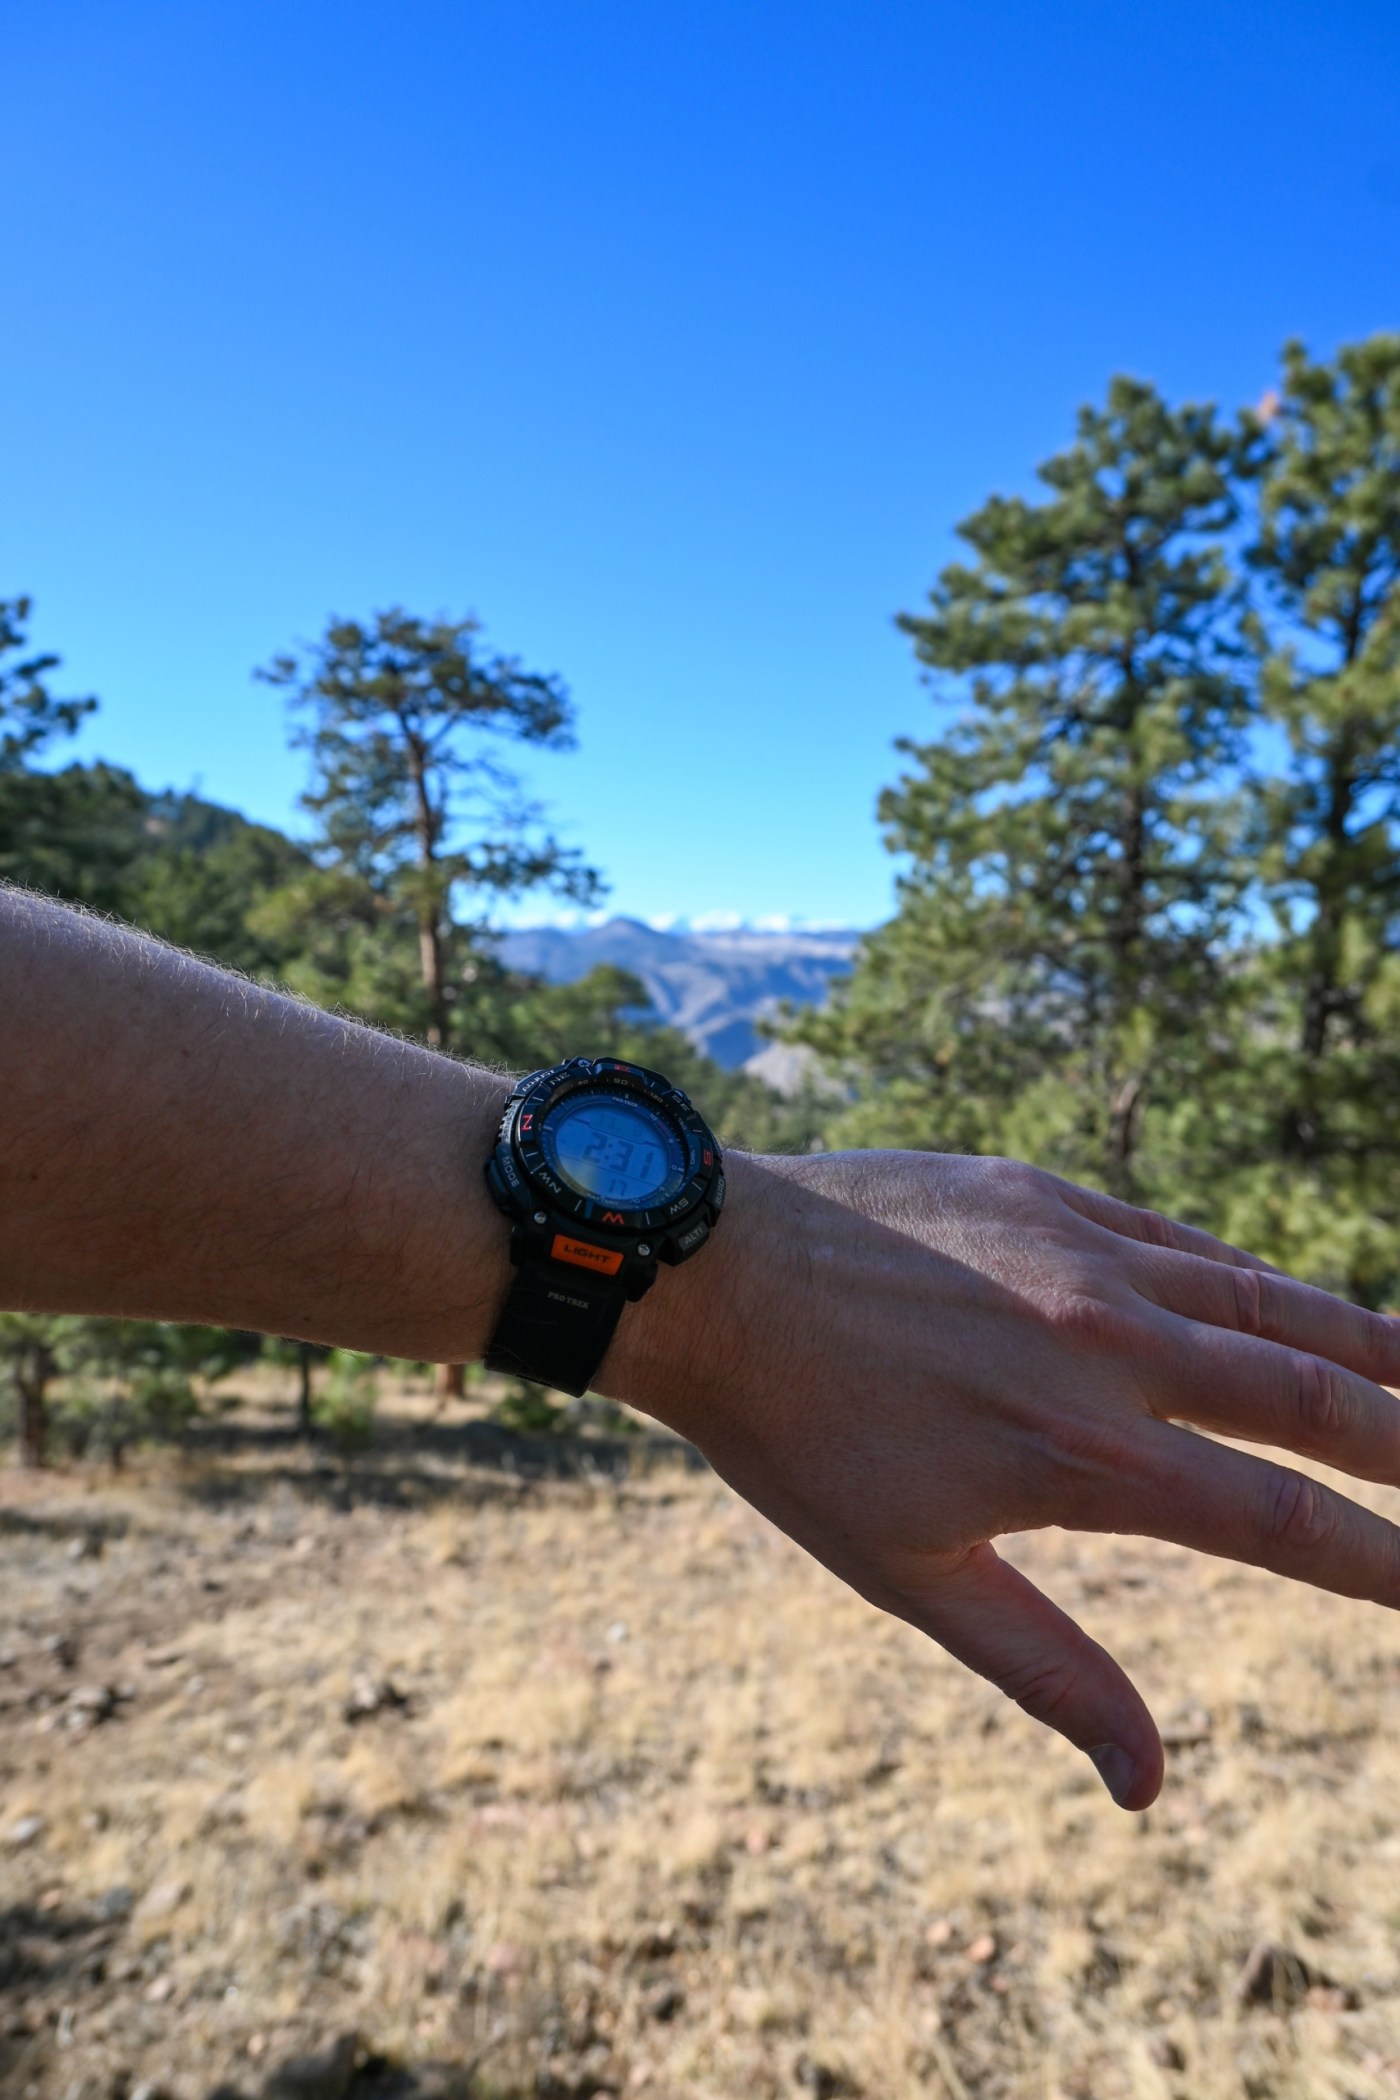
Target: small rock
{"type": "Point", "coordinates": [1166, 2055]}
{"type": "Point", "coordinates": [372, 1695]}
{"type": "Point", "coordinates": [983, 1949]}
{"type": "Point", "coordinates": [27, 1831]}
{"type": "Point", "coordinates": [1187, 1728]}
{"type": "Point", "coordinates": [504, 1958]}
{"type": "Point", "coordinates": [88, 1546]}
{"type": "Point", "coordinates": [114, 1904]}
{"type": "Point", "coordinates": [1331, 1997]}
{"type": "Point", "coordinates": [162, 1658]}
{"type": "Point", "coordinates": [322, 2074]}
{"type": "Point", "coordinates": [665, 2001]}
{"type": "Point", "coordinates": [62, 1647]}
{"type": "Point", "coordinates": [8, 1659]}
{"type": "Point", "coordinates": [432, 2080]}
{"type": "Point", "coordinates": [163, 1900]}
{"type": "Point", "coordinates": [150, 2089]}
{"type": "Point", "coordinates": [616, 1633]}
{"type": "Point", "coordinates": [655, 1942]}
{"type": "Point", "coordinates": [823, 2081]}
{"type": "Point", "coordinates": [1320, 1918]}
{"type": "Point", "coordinates": [89, 1705]}
{"type": "Point", "coordinates": [93, 1698]}
{"type": "Point", "coordinates": [939, 1933]}
{"type": "Point", "coordinates": [161, 1991]}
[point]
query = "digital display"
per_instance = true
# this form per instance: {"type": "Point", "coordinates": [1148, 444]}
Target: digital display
{"type": "Point", "coordinates": [614, 1150]}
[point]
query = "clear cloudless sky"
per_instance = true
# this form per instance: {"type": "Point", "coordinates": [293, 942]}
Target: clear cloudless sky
{"type": "Point", "coordinates": [673, 341]}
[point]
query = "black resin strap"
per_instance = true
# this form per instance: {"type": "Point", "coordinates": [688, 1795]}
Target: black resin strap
{"type": "Point", "coordinates": [553, 1330]}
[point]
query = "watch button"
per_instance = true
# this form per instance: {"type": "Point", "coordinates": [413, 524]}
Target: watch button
{"type": "Point", "coordinates": [584, 1254]}
{"type": "Point", "coordinates": [694, 1236]}
{"type": "Point", "coordinates": [717, 1195]}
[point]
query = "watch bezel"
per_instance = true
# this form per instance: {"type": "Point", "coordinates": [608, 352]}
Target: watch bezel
{"type": "Point", "coordinates": [520, 1146]}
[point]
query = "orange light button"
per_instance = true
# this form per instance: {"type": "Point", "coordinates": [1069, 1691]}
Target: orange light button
{"type": "Point", "coordinates": [605, 1260]}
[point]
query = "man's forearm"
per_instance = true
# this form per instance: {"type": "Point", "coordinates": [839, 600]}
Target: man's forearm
{"type": "Point", "coordinates": [177, 1144]}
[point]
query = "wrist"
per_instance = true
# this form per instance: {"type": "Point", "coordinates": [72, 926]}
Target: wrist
{"type": "Point", "coordinates": [455, 1266]}
{"type": "Point", "coordinates": [690, 1341]}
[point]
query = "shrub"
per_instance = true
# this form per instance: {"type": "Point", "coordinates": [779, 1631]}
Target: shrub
{"type": "Point", "coordinates": [529, 1411]}
{"type": "Point", "coordinates": [344, 1407]}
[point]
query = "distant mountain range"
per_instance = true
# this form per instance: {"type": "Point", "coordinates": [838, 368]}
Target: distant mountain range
{"type": "Point", "coordinates": [713, 986]}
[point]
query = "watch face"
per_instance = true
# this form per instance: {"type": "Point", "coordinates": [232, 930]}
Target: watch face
{"type": "Point", "coordinates": [615, 1149]}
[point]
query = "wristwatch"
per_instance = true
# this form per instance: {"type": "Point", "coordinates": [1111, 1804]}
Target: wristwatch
{"type": "Point", "coordinates": [604, 1170]}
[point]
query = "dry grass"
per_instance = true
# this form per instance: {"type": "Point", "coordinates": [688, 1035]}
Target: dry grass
{"type": "Point", "coordinates": [666, 1811]}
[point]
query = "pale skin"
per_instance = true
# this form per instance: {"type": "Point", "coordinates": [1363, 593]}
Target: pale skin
{"type": "Point", "coordinates": [898, 1357]}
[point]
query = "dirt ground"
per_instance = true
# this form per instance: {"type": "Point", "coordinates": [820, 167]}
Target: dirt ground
{"type": "Point", "coordinates": [409, 1774]}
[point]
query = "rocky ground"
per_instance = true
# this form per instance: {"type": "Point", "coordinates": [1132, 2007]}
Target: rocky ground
{"type": "Point", "coordinates": [412, 1774]}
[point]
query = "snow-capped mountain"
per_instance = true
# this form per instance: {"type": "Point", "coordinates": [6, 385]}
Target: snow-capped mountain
{"type": "Point", "coordinates": [712, 984]}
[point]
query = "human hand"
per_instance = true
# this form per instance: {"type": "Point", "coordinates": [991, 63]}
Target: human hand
{"type": "Point", "coordinates": [899, 1357]}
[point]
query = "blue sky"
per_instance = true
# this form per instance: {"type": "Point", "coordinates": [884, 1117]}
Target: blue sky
{"type": "Point", "coordinates": [672, 341]}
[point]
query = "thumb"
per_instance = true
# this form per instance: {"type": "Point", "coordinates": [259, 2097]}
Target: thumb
{"type": "Point", "coordinates": [998, 1623]}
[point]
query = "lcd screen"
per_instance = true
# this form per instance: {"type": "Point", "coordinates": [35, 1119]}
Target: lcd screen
{"type": "Point", "coordinates": [614, 1149]}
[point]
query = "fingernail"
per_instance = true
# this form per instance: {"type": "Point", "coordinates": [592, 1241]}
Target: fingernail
{"type": "Point", "coordinates": [1116, 1769]}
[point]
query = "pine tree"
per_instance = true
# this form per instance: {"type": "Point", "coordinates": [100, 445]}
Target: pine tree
{"type": "Point", "coordinates": [73, 831]}
{"type": "Point", "coordinates": [29, 1354]}
{"type": "Point", "coordinates": [1322, 1124]}
{"type": "Point", "coordinates": [31, 716]}
{"type": "Point", "coordinates": [416, 812]}
{"type": "Point", "coordinates": [1072, 855]}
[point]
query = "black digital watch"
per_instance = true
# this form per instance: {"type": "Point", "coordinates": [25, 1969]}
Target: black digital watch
{"type": "Point", "coordinates": [604, 1169]}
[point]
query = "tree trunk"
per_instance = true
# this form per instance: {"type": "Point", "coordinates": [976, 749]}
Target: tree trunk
{"type": "Point", "coordinates": [304, 1421]}
{"type": "Point", "coordinates": [1124, 1115]}
{"type": "Point", "coordinates": [33, 1374]}
{"type": "Point", "coordinates": [1303, 1138]}
{"type": "Point", "coordinates": [426, 825]}
{"type": "Point", "coordinates": [1128, 1090]}
{"type": "Point", "coordinates": [430, 964]}
{"type": "Point", "coordinates": [450, 1382]}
